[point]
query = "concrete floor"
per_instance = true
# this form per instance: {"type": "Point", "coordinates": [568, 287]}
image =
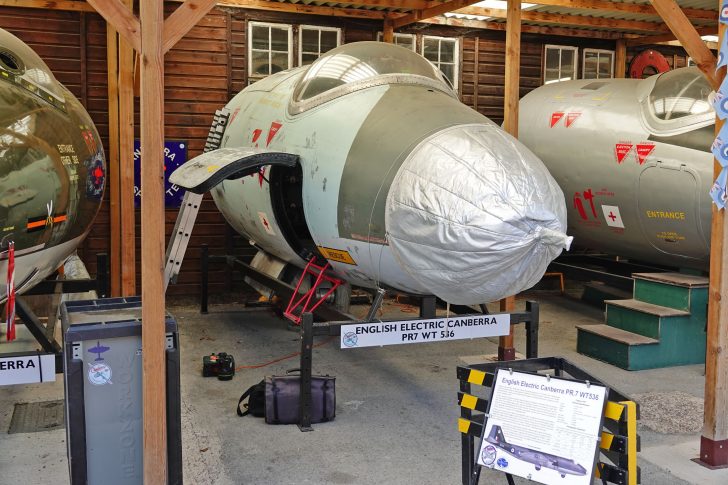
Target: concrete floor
{"type": "Point", "coordinates": [396, 407]}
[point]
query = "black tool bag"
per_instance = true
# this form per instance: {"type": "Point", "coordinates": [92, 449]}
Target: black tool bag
{"type": "Point", "coordinates": [256, 403]}
{"type": "Point", "coordinates": [281, 399]}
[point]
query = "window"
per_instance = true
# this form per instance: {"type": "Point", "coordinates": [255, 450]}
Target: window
{"type": "Point", "coordinates": [560, 63]}
{"type": "Point", "coordinates": [443, 53]}
{"type": "Point", "coordinates": [402, 40]}
{"type": "Point", "coordinates": [597, 64]}
{"type": "Point", "coordinates": [314, 41]}
{"type": "Point", "coordinates": [269, 49]}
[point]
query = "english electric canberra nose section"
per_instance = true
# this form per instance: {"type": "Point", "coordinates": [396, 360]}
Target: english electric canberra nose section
{"type": "Point", "coordinates": [52, 167]}
{"type": "Point", "coordinates": [368, 159]}
{"type": "Point", "coordinates": [634, 159]}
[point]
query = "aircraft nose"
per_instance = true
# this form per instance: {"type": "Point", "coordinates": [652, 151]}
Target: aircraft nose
{"type": "Point", "coordinates": [474, 216]}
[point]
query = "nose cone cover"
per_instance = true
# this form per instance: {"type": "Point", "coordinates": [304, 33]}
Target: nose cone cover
{"type": "Point", "coordinates": [474, 216]}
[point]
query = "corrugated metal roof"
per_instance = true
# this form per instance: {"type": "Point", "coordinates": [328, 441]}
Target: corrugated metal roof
{"type": "Point", "coordinates": [397, 8]}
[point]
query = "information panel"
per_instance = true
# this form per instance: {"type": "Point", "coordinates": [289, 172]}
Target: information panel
{"type": "Point", "coordinates": [545, 429]}
{"type": "Point", "coordinates": [27, 369]}
{"type": "Point", "coordinates": [420, 331]}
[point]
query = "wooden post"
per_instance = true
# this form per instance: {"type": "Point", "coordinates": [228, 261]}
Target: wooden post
{"type": "Point", "coordinates": [620, 59]}
{"type": "Point", "coordinates": [510, 124]}
{"type": "Point", "coordinates": [126, 159]}
{"type": "Point", "coordinates": [151, 15]}
{"type": "Point", "coordinates": [714, 439]}
{"type": "Point", "coordinates": [388, 31]}
{"type": "Point", "coordinates": [112, 157]}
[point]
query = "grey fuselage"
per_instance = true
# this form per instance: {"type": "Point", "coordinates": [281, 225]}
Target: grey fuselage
{"type": "Point", "coordinates": [633, 159]}
{"type": "Point", "coordinates": [52, 167]}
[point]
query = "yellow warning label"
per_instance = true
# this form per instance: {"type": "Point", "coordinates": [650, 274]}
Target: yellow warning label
{"type": "Point", "coordinates": [338, 255]}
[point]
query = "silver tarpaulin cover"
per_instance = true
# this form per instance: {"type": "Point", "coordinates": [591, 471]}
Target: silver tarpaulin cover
{"type": "Point", "coordinates": [474, 216]}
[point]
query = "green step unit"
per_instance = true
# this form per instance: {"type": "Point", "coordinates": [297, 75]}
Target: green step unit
{"type": "Point", "coordinates": [662, 326]}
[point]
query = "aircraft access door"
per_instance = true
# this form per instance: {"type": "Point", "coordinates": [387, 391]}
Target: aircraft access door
{"type": "Point", "coordinates": [671, 224]}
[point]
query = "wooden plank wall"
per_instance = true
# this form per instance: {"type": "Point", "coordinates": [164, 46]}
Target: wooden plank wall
{"type": "Point", "coordinates": [209, 66]}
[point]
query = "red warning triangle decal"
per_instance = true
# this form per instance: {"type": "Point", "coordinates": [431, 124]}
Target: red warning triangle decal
{"type": "Point", "coordinates": [256, 134]}
{"type": "Point", "coordinates": [643, 151]}
{"type": "Point", "coordinates": [274, 127]}
{"type": "Point", "coordinates": [556, 117]}
{"type": "Point", "coordinates": [622, 150]}
{"type": "Point", "coordinates": [570, 118]}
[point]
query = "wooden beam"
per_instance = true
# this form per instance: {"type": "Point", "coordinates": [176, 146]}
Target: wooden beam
{"type": "Point", "coordinates": [183, 19]}
{"type": "Point", "coordinates": [153, 312]}
{"type": "Point", "coordinates": [657, 39]}
{"type": "Point", "coordinates": [676, 43]}
{"type": "Point", "coordinates": [620, 59]}
{"type": "Point", "coordinates": [123, 19]}
{"type": "Point", "coordinates": [714, 437]}
{"type": "Point", "coordinates": [126, 164]}
{"type": "Point", "coordinates": [688, 37]}
{"type": "Point", "coordinates": [528, 29]}
{"type": "Point", "coordinates": [67, 5]}
{"type": "Point", "coordinates": [642, 8]}
{"type": "Point", "coordinates": [580, 20]}
{"type": "Point", "coordinates": [112, 157]}
{"type": "Point", "coordinates": [506, 351]}
{"type": "Point", "coordinates": [304, 9]}
{"type": "Point", "coordinates": [388, 31]}
{"type": "Point", "coordinates": [433, 11]}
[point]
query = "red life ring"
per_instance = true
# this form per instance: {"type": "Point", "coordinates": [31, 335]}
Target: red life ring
{"type": "Point", "coordinates": [651, 59]}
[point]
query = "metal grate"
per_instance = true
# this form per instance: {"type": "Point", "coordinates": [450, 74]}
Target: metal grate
{"type": "Point", "coordinates": [32, 417]}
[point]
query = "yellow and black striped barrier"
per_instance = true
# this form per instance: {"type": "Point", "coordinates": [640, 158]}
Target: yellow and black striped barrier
{"type": "Point", "coordinates": [619, 441]}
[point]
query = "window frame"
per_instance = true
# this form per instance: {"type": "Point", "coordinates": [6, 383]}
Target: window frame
{"type": "Point", "coordinates": [598, 52]}
{"type": "Point", "coordinates": [413, 37]}
{"type": "Point", "coordinates": [320, 29]}
{"type": "Point", "coordinates": [560, 48]}
{"type": "Point", "coordinates": [456, 57]}
{"type": "Point", "coordinates": [249, 40]}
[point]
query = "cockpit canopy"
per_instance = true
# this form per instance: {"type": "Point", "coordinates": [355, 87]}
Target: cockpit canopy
{"type": "Point", "coordinates": [360, 65]}
{"type": "Point", "coordinates": [679, 93]}
{"type": "Point", "coordinates": [677, 101]}
{"type": "Point", "coordinates": [18, 59]}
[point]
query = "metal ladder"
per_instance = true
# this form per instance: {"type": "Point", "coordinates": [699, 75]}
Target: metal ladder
{"type": "Point", "coordinates": [191, 205]}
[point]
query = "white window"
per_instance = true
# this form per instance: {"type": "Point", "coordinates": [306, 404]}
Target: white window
{"type": "Point", "coordinates": [443, 52]}
{"type": "Point", "coordinates": [314, 41]}
{"type": "Point", "coordinates": [269, 49]}
{"type": "Point", "coordinates": [597, 64]}
{"type": "Point", "coordinates": [402, 40]}
{"type": "Point", "coordinates": [560, 64]}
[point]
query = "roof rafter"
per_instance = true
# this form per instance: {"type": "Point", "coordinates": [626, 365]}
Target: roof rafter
{"type": "Point", "coordinates": [529, 29]}
{"type": "Point", "coordinates": [640, 8]}
{"type": "Point", "coordinates": [432, 11]}
{"type": "Point", "coordinates": [581, 20]}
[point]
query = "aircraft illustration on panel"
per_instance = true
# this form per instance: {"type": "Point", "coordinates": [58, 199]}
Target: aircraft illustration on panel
{"type": "Point", "coordinates": [563, 466]}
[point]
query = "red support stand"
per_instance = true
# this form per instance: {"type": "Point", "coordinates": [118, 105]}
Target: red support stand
{"type": "Point", "coordinates": [307, 302]}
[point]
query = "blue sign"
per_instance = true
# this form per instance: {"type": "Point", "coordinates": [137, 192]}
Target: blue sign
{"type": "Point", "coordinates": [175, 154]}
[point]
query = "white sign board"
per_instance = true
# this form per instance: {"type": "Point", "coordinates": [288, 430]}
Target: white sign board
{"type": "Point", "coordinates": [543, 429]}
{"type": "Point", "coordinates": [27, 369]}
{"type": "Point", "coordinates": [420, 331]}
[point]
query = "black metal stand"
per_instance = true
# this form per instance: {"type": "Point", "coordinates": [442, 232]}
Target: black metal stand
{"type": "Point", "coordinates": [204, 278]}
{"type": "Point", "coordinates": [45, 334]}
{"type": "Point", "coordinates": [304, 410]}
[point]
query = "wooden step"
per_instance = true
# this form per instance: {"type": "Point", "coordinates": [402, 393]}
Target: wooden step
{"type": "Point", "coordinates": [618, 335]}
{"type": "Point", "coordinates": [676, 279]}
{"type": "Point", "coordinates": [649, 308]}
